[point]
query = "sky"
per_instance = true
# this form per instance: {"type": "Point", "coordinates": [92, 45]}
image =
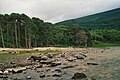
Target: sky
{"type": "Point", "coordinates": [57, 10]}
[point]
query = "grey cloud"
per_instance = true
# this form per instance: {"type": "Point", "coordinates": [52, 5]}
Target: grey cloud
{"type": "Point", "coordinates": [57, 10]}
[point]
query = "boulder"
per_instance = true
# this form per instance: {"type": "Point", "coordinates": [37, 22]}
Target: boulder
{"type": "Point", "coordinates": [17, 70]}
{"type": "Point", "coordinates": [38, 66]}
{"type": "Point", "coordinates": [6, 72]}
{"type": "Point", "coordinates": [44, 58]}
{"type": "Point", "coordinates": [1, 72]}
{"type": "Point", "coordinates": [58, 70]}
{"type": "Point", "coordinates": [45, 62]}
{"type": "Point", "coordinates": [53, 64]}
{"type": "Point", "coordinates": [70, 66]}
{"type": "Point", "coordinates": [42, 76]}
{"type": "Point", "coordinates": [79, 57]}
{"type": "Point", "coordinates": [79, 76]}
{"type": "Point", "coordinates": [28, 77]}
{"type": "Point", "coordinates": [92, 63]}
{"type": "Point", "coordinates": [34, 58]}
{"type": "Point", "coordinates": [56, 75]}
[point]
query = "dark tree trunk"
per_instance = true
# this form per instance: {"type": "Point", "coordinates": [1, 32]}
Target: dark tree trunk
{"type": "Point", "coordinates": [3, 44]}
{"type": "Point", "coordinates": [16, 37]}
{"type": "Point", "coordinates": [19, 37]}
{"type": "Point", "coordinates": [26, 42]}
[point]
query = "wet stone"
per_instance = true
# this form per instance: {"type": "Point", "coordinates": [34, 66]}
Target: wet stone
{"type": "Point", "coordinates": [58, 70]}
{"type": "Point", "coordinates": [42, 76]}
{"type": "Point", "coordinates": [28, 77]}
{"type": "Point", "coordinates": [79, 57]}
{"type": "Point", "coordinates": [92, 63]}
{"type": "Point", "coordinates": [1, 72]}
{"type": "Point", "coordinates": [55, 64]}
{"type": "Point", "coordinates": [79, 76]}
{"type": "Point", "coordinates": [68, 67]}
{"type": "Point", "coordinates": [56, 75]}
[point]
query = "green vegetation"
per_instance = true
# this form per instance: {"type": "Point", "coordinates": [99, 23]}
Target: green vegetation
{"type": "Point", "coordinates": [7, 56]}
{"type": "Point", "coordinates": [27, 52]}
{"type": "Point", "coordinates": [105, 20]}
{"type": "Point", "coordinates": [104, 27]}
{"type": "Point", "coordinates": [21, 31]}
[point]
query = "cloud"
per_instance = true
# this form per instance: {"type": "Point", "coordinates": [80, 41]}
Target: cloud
{"type": "Point", "coordinates": [57, 10]}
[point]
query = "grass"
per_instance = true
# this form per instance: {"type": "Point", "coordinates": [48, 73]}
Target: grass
{"type": "Point", "coordinates": [27, 51]}
{"type": "Point", "coordinates": [7, 55]}
{"type": "Point", "coordinates": [101, 44]}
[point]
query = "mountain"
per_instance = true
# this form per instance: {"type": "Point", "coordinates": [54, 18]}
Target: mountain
{"type": "Point", "coordinates": [104, 20]}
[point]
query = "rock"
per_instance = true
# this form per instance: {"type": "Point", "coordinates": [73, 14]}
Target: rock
{"type": "Point", "coordinates": [34, 58]}
{"type": "Point", "coordinates": [70, 59]}
{"type": "Point", "coordinates": [62, 55]}
{"type": "Point", "coordinates": [67, 67]}
{"type": "Point", "coordinates": [58, 70]}
{"type": "Point", "coordinates": [3, 76]}
{"type": "Point", "coordinates": [17, 70]}
{"type": "Point", "coordinates": [6, 72]}
{"type": "Point", "coordinates": [1, 72]}
{"type": "Point", "coordinates": [83, 55]}
{"type": "Point", "coordinates": [102, 51]}
{"type": "Point", "coordinates": [44, 58]}
{"type": "Point", "coordinates": [56, 75]}
{"type": "Point", "coordinates": [38, 66]}
{"type": "Point", "coordinates": [42, 75]}
{"type": "Point", "coordinates": [50, 56]}
{"type": "Point", "coordinates": [92, 63]}
{"type": "Point", "coordinates": [48, 69]}
{"type": "Point", "coordinates": [79, 76]}
{"type": "Point", "coordinates": [53, 64]}
{"type": "Point", "coordinates": [45, 62]}
{"type": "Point", "coordinates": [28, 77]}
{"type": "Point", "coordinates": [12, 62]}
{"type": "Point", "coordinates": [24, 72]}
{"type": "Point", "coordinates": [79, 57]}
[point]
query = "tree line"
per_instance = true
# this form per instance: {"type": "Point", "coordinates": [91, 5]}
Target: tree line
{"type": "Point", "coordinates": [21, 31]}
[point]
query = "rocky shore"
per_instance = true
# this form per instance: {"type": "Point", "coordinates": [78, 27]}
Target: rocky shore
{"type": "Point", "coordinates": [69, 64]}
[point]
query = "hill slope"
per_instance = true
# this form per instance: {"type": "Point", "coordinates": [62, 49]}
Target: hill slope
{"type": "Point", "coordinates": [105, 20]}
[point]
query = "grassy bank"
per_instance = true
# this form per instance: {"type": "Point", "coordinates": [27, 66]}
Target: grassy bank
{"type": "Point", "coordinates": [101, 44]}
{"type": "Point", "coordinates": [8, 55]}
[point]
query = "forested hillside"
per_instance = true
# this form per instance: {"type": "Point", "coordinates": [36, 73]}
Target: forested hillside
{"type": "Point", "coordinates": [105, 20]}
{"type": "Point", "coordinates": [21, 31]}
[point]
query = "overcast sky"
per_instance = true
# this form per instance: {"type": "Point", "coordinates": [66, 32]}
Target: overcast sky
{"type": "Point", "coordinates": [57, 10]}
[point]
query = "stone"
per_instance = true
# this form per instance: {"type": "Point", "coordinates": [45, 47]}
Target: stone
{"type": "Point", "coordinates": [34, 58]}
{"type": "Point", "coordinates": [92, 63]}
{"type": "Point", "coordinates": [3, 76]}
{"type": "Point", "coordinates": [6, 72]}
{"type": "Point", "coordinates": [38, 66]}
{"type": "Point", "coordinates": [79, 76]}
{"type": "Point", "coordinates": [45, 62]}
{"type": "Point", "coordinates": [28, 77]}
{"type": "Point", "coordinates": [44, 58]}
{"type": "Point", "coordinates": [12, 62]}
{"type": "Point", "coordinates": [17, 70]}
{"type": "Point", "coordinates": [1, 72]}
{"type": "Point", "coordinates": [62, 55]}
{"type": "Point", "coordinates": [53, 64]}
{"type": "Point", "coordinates": [56, 75]}
{"type": "Point", "coordinates": [58, 70]}
{"type": "Point", "coordinates": [50, 56]}
{"type": "Point", "coordinates": [79, 57]}
{"type": "Point", "coordinates": [67, 67]}
{"type": "Point", "coordinates": [42, 75]}
{"type": "Point", "coordinates": [70, 59]}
